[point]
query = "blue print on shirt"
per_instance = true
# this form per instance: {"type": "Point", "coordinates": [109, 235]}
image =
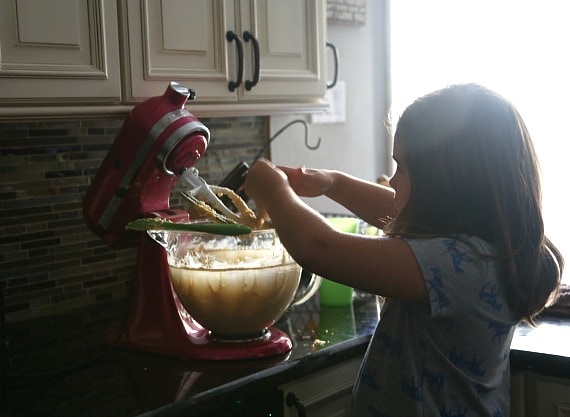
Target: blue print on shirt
{"type": "Point", "coordinates": [453, 411]}
{"type": "Point", "coordinates": [412, 389]}
{"type": "Point", "coordinates": [488, 294]}
{"type": "Point", "coordinates": [457, 256]}
{"type": "Point", "coordinates": [438, 298]}
{"type": "Point", "coordinates": [497, 413]}
{"type": "Point", "coordinates": [389, 345]}
{"type": "Point", "coordinates": [422, 345]}
{"type": "Point", "coordinates": [481, 389]}
{"type": "Point", "coordinates": [462, 361]}
{"type": "Point", "coordinates": [368, 378]}
{"type": "Point", "coordinates": [375, 413]}
{"type": "Point", "coordinates": [434, 379]}
{"type": "Point", "coordinates": [500, 329]}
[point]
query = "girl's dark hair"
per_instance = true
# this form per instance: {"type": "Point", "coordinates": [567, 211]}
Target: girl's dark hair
{"type": "Point", "coordinates": [473, 169]}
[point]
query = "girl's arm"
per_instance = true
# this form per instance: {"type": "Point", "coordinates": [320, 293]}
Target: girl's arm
{"type": "Point", "coordinates": [369, 201]}
{"type": "Point", "coordinates": [380, 265]}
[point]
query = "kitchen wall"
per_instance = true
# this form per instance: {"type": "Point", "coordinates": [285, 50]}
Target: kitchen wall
{"type": "Point", "coordinates": [49, 260]}
{"type": "Point", "coordinates": [360, 146]}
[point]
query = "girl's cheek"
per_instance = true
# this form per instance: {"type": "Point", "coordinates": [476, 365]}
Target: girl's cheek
{"type": "Point", "coordinates": [402, 190]}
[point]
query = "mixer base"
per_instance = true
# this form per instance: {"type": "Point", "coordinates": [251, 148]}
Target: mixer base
{"type": "Point", "coordinates": [259, 336]}
{"type": "Point", "coordinates": [200, 345]}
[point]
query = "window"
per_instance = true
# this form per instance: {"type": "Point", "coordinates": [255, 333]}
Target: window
{"type": "Point", "coordinates": [518, 48]}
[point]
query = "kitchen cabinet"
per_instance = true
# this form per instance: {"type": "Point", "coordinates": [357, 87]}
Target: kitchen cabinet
{"type": "Point", "coordinates": [59, 52]}
{"type": "Point", "coordinates": [326, 393]}
{"type": "Point", "coordinates": [551, 396]}
{"type": "Point", "coordinates": [102, 56]}
{"type": "Point", "coordinates": [534, 394]}
{"type": "Point", "coordinates": [258, 53]}
{"type": "Point", "coordinates": [518, 391]}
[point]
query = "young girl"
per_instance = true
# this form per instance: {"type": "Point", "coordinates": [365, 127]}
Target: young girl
{"type": "Point", "coordinates": [464, 258]}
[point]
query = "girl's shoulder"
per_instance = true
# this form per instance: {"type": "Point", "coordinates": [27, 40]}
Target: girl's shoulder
{"type": "Point", "coordinates": [459, 242]}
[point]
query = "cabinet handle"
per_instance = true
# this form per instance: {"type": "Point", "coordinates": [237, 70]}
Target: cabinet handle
{"type": "Point", "coordinates": [249, 84]}
{"type": "Point", "coordinates": [335, 56]}
{"type": "Point", "coordinates": [231, 36]}
{"type": "Point", "coordinates": [292, 400]}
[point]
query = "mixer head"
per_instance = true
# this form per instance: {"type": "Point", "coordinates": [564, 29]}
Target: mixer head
{"type": "Point", "coordinates": [158, 141]}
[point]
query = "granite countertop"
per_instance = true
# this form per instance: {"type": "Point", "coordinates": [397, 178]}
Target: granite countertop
{"type": "Point", "coordinates": [60, 366]}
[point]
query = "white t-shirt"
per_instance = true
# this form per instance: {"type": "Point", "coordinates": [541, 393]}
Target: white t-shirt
{"type": "Point", "coordinates": [451, 359]}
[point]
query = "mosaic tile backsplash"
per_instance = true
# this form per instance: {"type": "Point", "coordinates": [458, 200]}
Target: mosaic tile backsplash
{"type": "Point", "coordinates": [49, 260]}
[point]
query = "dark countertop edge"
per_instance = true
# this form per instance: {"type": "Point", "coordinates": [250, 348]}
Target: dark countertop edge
{"type": "Point", "coordinates": [267, 379]}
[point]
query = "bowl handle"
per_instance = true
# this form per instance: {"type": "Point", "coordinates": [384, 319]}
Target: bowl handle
{"type": "Point", "coordinates": [309, 291]}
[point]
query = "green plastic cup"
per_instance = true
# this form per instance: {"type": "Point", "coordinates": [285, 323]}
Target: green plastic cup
{"type": "Point", "coordinates": [332, 293]}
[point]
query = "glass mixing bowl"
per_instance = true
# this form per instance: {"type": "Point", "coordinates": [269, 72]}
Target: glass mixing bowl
{"type": "Point", "coordinates": [234, 286]}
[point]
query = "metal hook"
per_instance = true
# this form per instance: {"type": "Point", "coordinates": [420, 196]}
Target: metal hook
{"type": "Point", "coordinates": [307, 144]}
{"type": "Point", "coordinates": [306, 125]}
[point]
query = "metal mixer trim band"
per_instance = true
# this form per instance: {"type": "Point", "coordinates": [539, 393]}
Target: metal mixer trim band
{"type": "Point", "coordinates": [176, 137]}
{"type": "Point", "coordinates": [156, 130]}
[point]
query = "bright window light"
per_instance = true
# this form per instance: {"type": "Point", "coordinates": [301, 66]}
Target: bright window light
{"type": "Point", "coordinates": [519, 48]}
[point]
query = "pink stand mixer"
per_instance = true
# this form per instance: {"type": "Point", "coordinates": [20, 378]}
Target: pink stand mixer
{"type": "Point", "coordinates": [159, 140]}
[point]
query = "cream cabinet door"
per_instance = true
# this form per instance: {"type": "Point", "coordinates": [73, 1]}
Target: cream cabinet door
{"type": "Point", "coordinates": [178, 40]}
{"type": "Point", "coordinates": [551, 397]}
{"type": "Point", "coordinates": [291, 39]}
{"type": "Point", "coordinates": [59, 52]}
{"type": "Point", "coordinates": [208, 45]}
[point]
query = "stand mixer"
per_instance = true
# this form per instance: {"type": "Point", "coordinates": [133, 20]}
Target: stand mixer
{"type": "Point", "coordinates": [159, 140]}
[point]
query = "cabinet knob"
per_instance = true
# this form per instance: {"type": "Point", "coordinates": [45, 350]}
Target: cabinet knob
{"type": "Point", "coordinates": [231, 36]}
{"type": "Point", "coordinates": [292, 400]}
{"type": "Point", "coordinates": [249, 84]}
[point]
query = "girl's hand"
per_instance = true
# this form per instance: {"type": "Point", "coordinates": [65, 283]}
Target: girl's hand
{"type": "Point", "coordinates": [261, 179]}
{"type": "Point", "coordinates": [308, 182]}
